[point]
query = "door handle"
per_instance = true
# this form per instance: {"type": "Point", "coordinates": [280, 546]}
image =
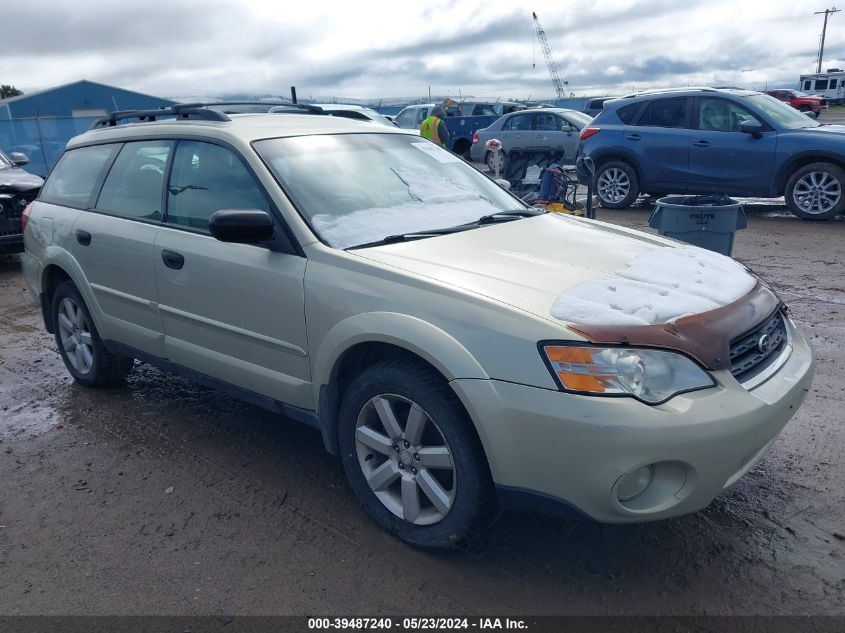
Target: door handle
{"type": "Point", "coordinates": [702, 143]}
{"type": "Point", "coordinates": [172, 259]}
{"type": "Point", "coordinates": [633, 137]}
{"type": "Point", "coordinates": [83, 237]}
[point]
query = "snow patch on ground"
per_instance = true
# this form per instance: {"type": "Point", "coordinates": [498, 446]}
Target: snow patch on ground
{"type": "Point", "coordinates": [435, 204]}
{"type": "Point", "coordinates": [658, 286]}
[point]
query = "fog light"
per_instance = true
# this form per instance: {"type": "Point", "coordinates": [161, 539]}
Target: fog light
{"type": "Point", "coordinates": [632, 484]}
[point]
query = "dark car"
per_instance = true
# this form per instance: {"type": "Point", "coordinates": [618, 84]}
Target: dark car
{"type": "Point", "coordinates": [594, 106]}
{"type": "Point", "coordinates": [17, 189]}
{"type": "Point", "coordinates": [708, 140]}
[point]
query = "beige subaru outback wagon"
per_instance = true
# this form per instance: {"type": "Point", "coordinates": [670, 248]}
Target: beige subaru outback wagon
{"type": "Point", "coordinates": [460, 352]}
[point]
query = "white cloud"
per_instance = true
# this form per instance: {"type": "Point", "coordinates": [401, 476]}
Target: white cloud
{"type": "Point", "coordinates": [379, 48]}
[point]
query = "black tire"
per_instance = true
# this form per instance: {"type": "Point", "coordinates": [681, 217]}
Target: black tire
{"type": "Point", "coordinates": [833, 179]}
{"type": "Point", "coordinates": [619, 196]}
{"type": "Point", "coordinates": [106, 368]}
{"type": "Point", "coordinates": [474, 503]}
{"type": "Point", "coordinates": [461, 148]}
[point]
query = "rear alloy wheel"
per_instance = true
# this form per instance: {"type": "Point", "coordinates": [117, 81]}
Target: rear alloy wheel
{"type": "Point", "coordinates": [616, 185]}
{"type": "Point", "coordinates": [82, 350]}
{"type": "Point", "coordinates": [412, 456]}
{"type": "Point", "coordinates": [815, 192]}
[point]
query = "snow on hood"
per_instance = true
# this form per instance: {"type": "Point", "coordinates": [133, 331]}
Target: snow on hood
{"type": "Point", "coordinates": [657, 286]}
{"type": "Point", "coordinates": [436, 204]}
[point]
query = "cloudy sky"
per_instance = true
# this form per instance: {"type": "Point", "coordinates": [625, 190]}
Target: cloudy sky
{"type": "Point", "coordinates": [369, 49]}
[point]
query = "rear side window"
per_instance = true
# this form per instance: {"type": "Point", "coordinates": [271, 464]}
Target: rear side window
{"type": "Point", "coordinates": [518, 122]}
{"type": "Point", "coordinates": [665, 113]}
{"type": "Point", "coordinates": [206, 178]}
{"type": "Point", "coordinates": [133, 187]}
{"type": "Point", "coordinates": [76, 175]}
{"type": "Point", "coordinates": [628, 113]}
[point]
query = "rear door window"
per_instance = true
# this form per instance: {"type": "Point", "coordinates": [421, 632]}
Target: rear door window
{"type": "Point", "coordinates": [206, 178]}
{"type": "Point", "coordinates": [133, 187]}
{"type": "Point", "coordinates": [74, 179]}
{"type": "Point", "coordinates": [666, 113]}
{"type": "Point", "coordinates": [628, 113]}
{"type": "Point", "coordinates": [518, 123]}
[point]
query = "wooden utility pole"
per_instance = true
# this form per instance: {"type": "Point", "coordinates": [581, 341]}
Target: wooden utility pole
{"type": "Point", "coordinates": [826, 12]}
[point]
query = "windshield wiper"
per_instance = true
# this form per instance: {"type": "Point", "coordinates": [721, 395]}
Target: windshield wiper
{"type": "Point", "coordinates": [499, 216]}
{"type": "Point", "coordinates": [416, 235]}
{"type": "Point", "coordinates": [510, 214]}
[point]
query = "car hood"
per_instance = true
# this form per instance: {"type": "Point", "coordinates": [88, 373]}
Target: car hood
{"type": "Point", "coordinates": [16, 179]}
{"type": "Point", "coordinates": [525, 263]}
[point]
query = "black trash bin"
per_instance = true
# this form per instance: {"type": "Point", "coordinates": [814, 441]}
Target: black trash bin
{"type": "Point", "coordinates": [706, 221]}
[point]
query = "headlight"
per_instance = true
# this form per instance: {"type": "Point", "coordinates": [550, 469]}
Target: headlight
{"type": "Point", "coordinates": [652, 376]}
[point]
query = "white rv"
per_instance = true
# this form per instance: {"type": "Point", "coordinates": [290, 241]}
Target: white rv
{"type": "Point", "coordinates": [830, 85]}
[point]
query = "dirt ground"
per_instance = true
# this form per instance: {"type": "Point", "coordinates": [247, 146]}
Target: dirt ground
{"type": "Point", "coordinates": [161, 497]}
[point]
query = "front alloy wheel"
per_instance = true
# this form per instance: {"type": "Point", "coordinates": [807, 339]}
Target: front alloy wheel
{"type": "Point", "coordinates": [407, 463]}
{"type": "Point", "coordinates": [412, 455]}
{"type": "Point", "coordinates": [814, 192]}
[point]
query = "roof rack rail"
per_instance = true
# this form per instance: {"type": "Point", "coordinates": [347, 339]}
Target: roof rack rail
{"type": "Point", "coordinates": [195, 111]}
{"type": "Point", "coordinates": [231, 107]}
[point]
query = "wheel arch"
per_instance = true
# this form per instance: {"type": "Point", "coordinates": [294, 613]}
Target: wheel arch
{"type": "Point", "coordinates": [51, 277]}
{"type": "Point", "coordinates": [365, 339]}
{"type": "Point", "coordinates": [619, 154]}
{"type": "Point", "coordinates": [803, 159]}
{"type": "Point", "coordinates": [461, 145]}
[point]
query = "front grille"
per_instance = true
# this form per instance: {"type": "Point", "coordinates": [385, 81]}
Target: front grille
{"type": "Point", "coordinates": [753, 352]}
{"type": "Point", "coordinates": [823, 102]}
{"type": "Point", "coordinates": [11, 210]}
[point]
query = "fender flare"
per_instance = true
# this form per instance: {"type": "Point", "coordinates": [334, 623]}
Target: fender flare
{"type": "Point", "coordinates": [429, 342]}
{"type": "Point", "coordinates": [445, 353]}
{"type": "Point", "coordinates": [59, 257]}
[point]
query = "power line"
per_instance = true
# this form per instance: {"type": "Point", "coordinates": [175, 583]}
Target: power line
{"type": "Point", "coordinates": [826, 12]}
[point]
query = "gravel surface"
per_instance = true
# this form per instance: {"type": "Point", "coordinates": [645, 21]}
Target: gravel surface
{"type": "Point", "coordinates": [162, 497]}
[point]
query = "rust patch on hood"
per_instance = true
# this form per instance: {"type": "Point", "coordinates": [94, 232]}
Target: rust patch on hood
{"type": "Point", "coordinates": [706, 337]}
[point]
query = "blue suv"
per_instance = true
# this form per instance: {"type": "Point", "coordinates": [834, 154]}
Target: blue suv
{"type": "Point", "coordinates": [711, 140]}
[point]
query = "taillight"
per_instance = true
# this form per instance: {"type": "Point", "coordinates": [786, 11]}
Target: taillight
{"type": "Point", "coordinates": [587, 132]}
{"type": "Point", "coordinates": [475, 137]}
{"type": "Point", "coordinates": [25, 216]}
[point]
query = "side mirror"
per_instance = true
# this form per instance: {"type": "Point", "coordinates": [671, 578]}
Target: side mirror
{"type": "Point", "coordinates": [241, 226]}
{"type": "Point", "coordinates": [18, 159]}
{"type": "Point", "coordinates": [752, 127]}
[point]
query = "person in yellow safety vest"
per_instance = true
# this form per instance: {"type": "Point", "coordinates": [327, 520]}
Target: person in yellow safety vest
{"type": "Point", "coordinates": [434, 128]}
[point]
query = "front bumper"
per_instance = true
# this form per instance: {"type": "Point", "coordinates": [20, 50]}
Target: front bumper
{"type": "Point", "coordinates": [574, 449]}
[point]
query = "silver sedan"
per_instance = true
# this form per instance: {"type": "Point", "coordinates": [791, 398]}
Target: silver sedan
{"type": "Point", "coordinates": [541, 128]}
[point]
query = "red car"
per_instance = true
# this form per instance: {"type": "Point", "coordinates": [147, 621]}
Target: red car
{"type": "Point", "coordinates": [800, 100]}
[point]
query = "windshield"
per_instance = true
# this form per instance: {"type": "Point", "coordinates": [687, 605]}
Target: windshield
{"type": "Point", "coordinates": [378, 117]}
{"type": "Point", "coordinates": [780, 113]}
{"type": "Point", "coordinates": [578, 118]}
{"type": "Point", "coordinates": [355, 189]}
{"type": "Point", "coordinates": [4, 162]}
